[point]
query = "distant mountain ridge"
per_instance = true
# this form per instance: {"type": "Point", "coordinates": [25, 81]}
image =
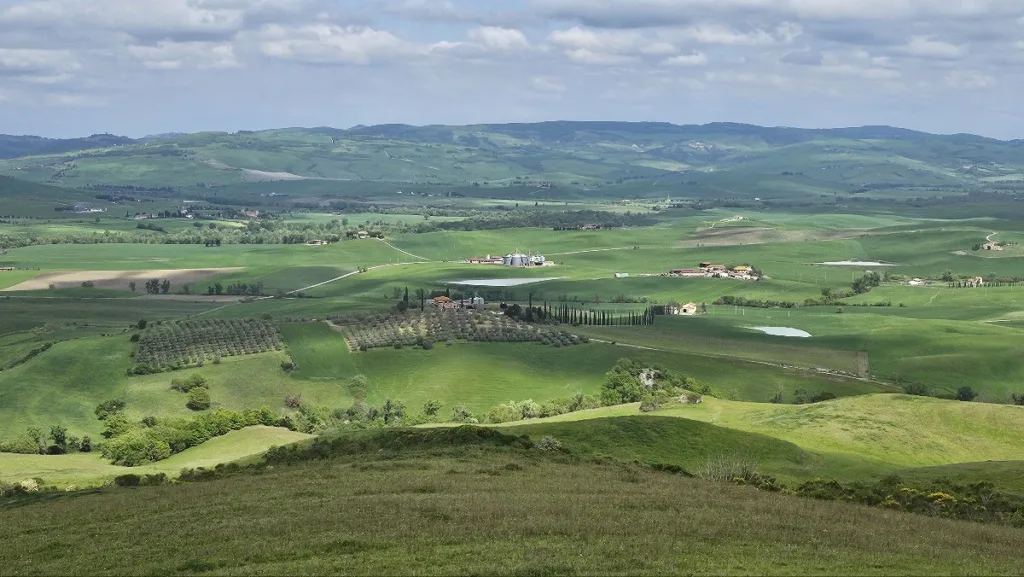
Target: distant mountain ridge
{"type": "Point", "coordinates": [725, 156]}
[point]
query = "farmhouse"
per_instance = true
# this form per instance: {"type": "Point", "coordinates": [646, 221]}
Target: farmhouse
{"type": "Point", "coordinates": [6, 268]}
{"type": "Point", "coordinates": [362, 235]}
{"type": "Point", "coordinates": [622, 275]}
{"type": "Point", "coordinates": [251, 213]}
{"type": "Point", "coordinates": [485, 260]}
{"type": "Point", "coordinates": [689, 309]}
{"type": "Point", "coordinates": [976, 282]}
{"type": "Point", "coordinates": [317, 243]}
{"type": "Point", "coordinates": [992, 246]}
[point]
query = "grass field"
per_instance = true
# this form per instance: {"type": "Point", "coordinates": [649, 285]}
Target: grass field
{"type": "Point", "coordinates": [89, 469]}
{"type": "Point", "coordinates": [483, 511]}
{"type": "Point", "coordinates": [852, 438]}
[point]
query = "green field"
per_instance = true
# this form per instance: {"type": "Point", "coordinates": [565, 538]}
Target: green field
{"type": "Point", "coordinates": [483, 510]}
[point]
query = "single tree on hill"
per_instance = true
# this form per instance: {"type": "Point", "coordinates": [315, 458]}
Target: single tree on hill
{"type": "Point", "coordinates": [131, 285]}
{"type": "Point", "coordinates": [165, 286]}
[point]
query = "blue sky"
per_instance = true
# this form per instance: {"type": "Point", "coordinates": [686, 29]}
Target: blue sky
{"type": "Point", "coordinates": [136, 67]}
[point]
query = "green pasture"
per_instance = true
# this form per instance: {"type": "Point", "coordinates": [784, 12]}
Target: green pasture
{"type": "Point", "coordinates": [87, 469]}
{"type": "Point", "coordinates": [850, 438]}
{"type": "Point", "coordinates": [484, 510]}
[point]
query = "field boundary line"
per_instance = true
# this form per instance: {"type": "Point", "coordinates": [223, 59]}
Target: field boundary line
{"type": "Point", "coordinates": [402, 251]}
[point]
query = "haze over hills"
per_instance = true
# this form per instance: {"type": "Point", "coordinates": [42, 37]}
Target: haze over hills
{"type": "Point", "coordinates": [582, 154]}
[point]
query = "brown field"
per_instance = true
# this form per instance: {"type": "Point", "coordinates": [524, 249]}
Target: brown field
{"type": "Point", "coordinates": [119, 279]}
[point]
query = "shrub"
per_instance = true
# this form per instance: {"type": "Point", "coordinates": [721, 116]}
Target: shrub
{"type": "Point", "coordinates": [822, 396]}
{"type": "Point", "coordinates": [461, 414]}
{"type": "Point", "coordinates": [288, 365]}
{"type": "Point", "coordinates": [966, 394]}
{"type": "Point", "coordinates": [198, 399]}
{"type": "Point", "coordinates": [135, 338]}
{"type": "Point", "coordinates": [128, 480]}
{"type": "Point", "coordinates": [107, 408]}
{"type": "Point", "coordinates": [649, 403]}
{"type": "Point", "coordinates": [432, 408]}
{"type": "Point", "coordinates": [86, 445]}
{"type": "Point", "coordinates": [916, 389]}
{"type": "Point", "coordinates": [1018, 399]}
{"type": "Point", "coordinates": [193, 382]}
{"type": "Point", "coordinates": [293, 401]}
{"type": "Point", "coordinates": [549, 443]}
{"type": "Point", "coordinates": [777, 398]}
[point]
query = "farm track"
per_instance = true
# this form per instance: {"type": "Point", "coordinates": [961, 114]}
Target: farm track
{"type": "Point", "coordinates": [817, 370]}
{"type": "Point", "coordinates": [405, 252]}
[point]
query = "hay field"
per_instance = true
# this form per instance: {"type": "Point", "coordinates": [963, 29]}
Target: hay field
{"type": "Point", "coordinates": [119, 279]}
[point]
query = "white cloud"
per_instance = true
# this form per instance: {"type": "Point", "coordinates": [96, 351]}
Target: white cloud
{"type": "Point", "coordinates": [38, 66]}
{"type": "Point", "coordinates": [329, 44]}
{"type": "Point", "coordinates": [497, 38]}
{"type": "Point", "coordinates": [695, 59]}
{"type": "Point", "coordinates": [177, 55]}
{"type": "Point", "coordinates": [925, 47]}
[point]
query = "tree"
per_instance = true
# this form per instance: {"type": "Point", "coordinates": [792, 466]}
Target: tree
{"type": "Point", "coordinates": [432, 408]}
{"type": "Point", "coordinates": [1018, 399]}
{"type": "Point", "coordinates": [402, 306]}
{"type": "Point", "coordinates": [218, 289]}
{"type": "Point", "coordinates": [107, 409]}
{"type": "Point", "coordinates": [86, 445]}
{"type": "Point", "coordinates": [966, 394]}
{"type": "Point", "coordinates": [142, 324]}
{"type": "Point", "coordinates": [165, 286]}
{"type": "Point", "coordinates": [59, 435]}
{"type": "Point", "coordinates": [358, 387]}
{"type": "Point", "coordinates": [198, 399]}
{"type": "Point", "coordinates": [131, 285]}
{"type": "Point", "coordinates": [800, 396]}
{"type": "Point", "coordinates": [393, 411]}
{"type": "Point", "coordinates": [777, 398]}
{"type": "Point", "coordinates": [38, 438]}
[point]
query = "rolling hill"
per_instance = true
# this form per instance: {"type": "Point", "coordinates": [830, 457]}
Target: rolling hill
{"type": "Point", "coordinates": [636, 159]}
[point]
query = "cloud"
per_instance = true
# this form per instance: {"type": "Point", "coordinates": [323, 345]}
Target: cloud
{"type": "Point", "coordinates": [497, 38]}
{"type": "Point", "coordinates": [38, 66]}
{"type": "Point", "coordinates": [330, 44]}
{"type": "Point", "coordinates": [177, 55]}
{"type": "Point", "coordinates": [969, 80]}
{"type": "Point", "coordinates": [925, 47]}
{"type": "Point", "coordinates": [694, 59]}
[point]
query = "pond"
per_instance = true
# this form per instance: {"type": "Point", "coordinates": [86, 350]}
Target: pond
{"type": "Point", "coordinates": [783, 332]}
{"type": "Point", "coordinates": [500, 282]}
{"type": "Point", "coordinates": [856, 263]}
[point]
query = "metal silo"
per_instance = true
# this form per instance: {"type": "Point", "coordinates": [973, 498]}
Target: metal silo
{"type": "Point", "coordinates": [506, 260]}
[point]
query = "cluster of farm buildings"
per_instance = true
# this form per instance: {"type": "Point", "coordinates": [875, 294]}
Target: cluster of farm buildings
{"type": "Point", "coordinates": [707, 270]}
{"type": "Point", "coordinates": [711, 270]}
{"type": "Point", "coordinates": [512, 259]}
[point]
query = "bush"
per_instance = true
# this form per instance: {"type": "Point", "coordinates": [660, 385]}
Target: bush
{"type": "Point", "coordinates": [86, 445]}
{"type": "Point", "coordinates": [916, 389]}
{"type": "Point", "coordinates": [135, 338]}
{"type": "Point", "coordinates": [822, 396]}
{"type": "Point", "coordinates": [549, 443]}
{"type": "Point", "coordinates": [1018, 399]}
{"type": "Point", "coordinates": [649, 403]}
{"type": "Point", "coordinates": [198, 399]}
{"type": "Point", "coordinates": [193, 382]}
{"type": "Point", "coordinates": [107, 408]}
{"type": "Point", "coordinates": [128, 480]}
{"type": "Point", "coordinates": [432, 408]}
{"type": "Point", "coordinates": [293, 401]}
{"type": "Point", "coordinates": [288, 365]}
{"type": "Point", "coordinates": [966, 394]}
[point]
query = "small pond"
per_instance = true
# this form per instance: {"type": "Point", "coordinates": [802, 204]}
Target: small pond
{"type": "Point", "coordinates": [783, 332]}
{"type": "Point", "coordinates": [856, 263]}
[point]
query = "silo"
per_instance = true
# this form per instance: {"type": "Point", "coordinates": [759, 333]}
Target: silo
{"type": "Point", "coordinates": [519, 259]}
{"type": "Point", "coordinates": [506, 260]}
{"type": "Point", "coordinates": [538, 260]}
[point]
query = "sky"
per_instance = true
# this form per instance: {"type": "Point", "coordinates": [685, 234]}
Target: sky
{"type": "Point", "coordinates": [137, 67]}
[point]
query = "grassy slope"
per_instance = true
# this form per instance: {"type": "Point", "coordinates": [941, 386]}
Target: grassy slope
{"type": "Point", "coordinates": [482, 512]}
{"type": "Point", "coordinates": [859, 437]}
{"type": "Point", "coordinates": [90, 468]}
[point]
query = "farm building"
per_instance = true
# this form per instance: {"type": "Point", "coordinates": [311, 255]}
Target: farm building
{"type": "Point", "coordinates": [317, 243]}
{"type": "Point", "coordinates": [486, 260]}
{"type": "Point", "coordinates": [362, 235]}
{"type": "Point", "coordinates": [6, 268]}
{"type": "Point", "coordinates": [993, 246]}
{"type": "Point", "coordinates": [687, 272]}
{"type": "Point", "coordinates": [520, 259]}
{"type": "Point", "coordinates": [622, 275]}
{"type": "Point", "coordinates": [689, 309]}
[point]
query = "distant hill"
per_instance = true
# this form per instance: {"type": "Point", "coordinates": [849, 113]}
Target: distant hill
{"type": "Point", "coordinates": [712, 160]}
